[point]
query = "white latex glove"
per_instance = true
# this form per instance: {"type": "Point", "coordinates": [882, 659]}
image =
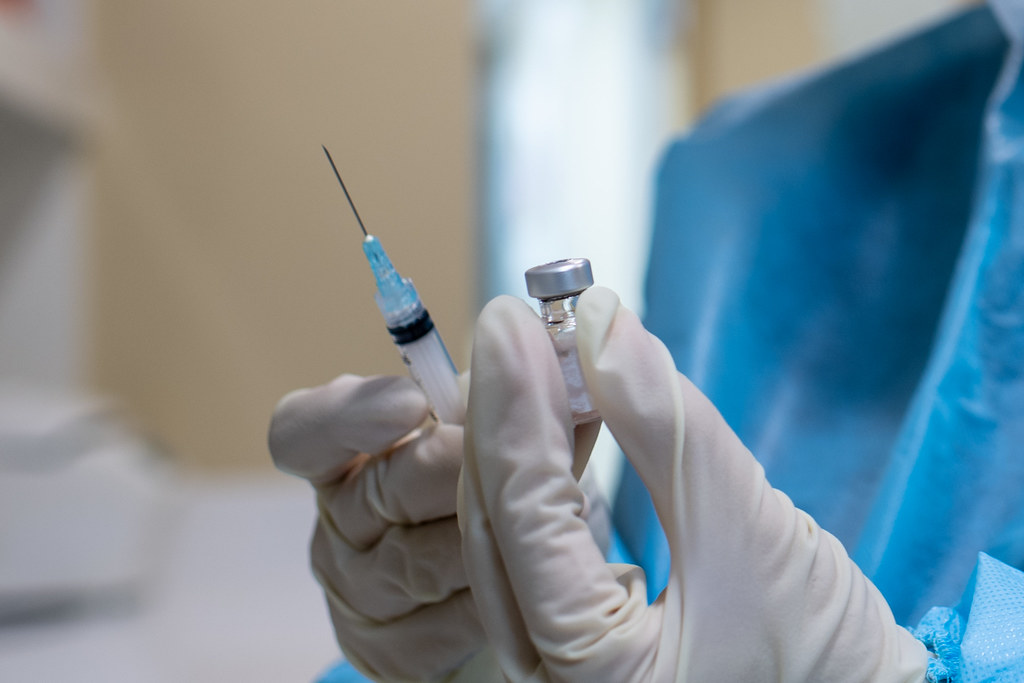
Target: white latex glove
{"type": "Point", "coordinates": [386, 548]}
{"type": "Point", "coordinates": [757, 592]}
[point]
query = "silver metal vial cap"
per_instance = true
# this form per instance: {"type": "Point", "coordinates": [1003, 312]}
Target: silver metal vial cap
{"type": "Point", "coordinates": [559, 279]}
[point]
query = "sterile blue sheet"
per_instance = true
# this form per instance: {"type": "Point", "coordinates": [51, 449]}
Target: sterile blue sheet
{"type": "Point", "coordinates": [838, 263]}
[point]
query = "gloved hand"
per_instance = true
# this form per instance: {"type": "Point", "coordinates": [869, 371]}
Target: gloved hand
{"type": "Point", "coordinates": [386, 547]}
{"type": "Point", "coordinates": [757, 592]}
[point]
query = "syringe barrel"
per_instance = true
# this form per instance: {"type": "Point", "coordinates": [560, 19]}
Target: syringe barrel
{"type": "Point", "coordinates": [432, 368]}
{"type": "Point", "coordinates": [414, 333]}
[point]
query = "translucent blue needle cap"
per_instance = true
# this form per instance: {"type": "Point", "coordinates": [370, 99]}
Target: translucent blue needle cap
{"type": "Point", "coordinates": [396, 297]}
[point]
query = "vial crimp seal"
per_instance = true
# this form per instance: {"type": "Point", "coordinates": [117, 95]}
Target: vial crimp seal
{"type": "Point", "coordinates": [557, 286]}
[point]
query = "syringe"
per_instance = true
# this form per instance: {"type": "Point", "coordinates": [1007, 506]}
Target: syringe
{"type": "Point", "coordinates": [411, 327]}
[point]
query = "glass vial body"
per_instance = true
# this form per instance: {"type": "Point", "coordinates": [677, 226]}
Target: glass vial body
{"type": "Point", "coordinates": [559, 316]}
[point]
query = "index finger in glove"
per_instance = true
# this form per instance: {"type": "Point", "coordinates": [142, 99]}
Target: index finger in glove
{"type": "Point", "coordinates": [315, 433]}
{"type": "Point", "coordinates": [701, 478]}
{"type": "Point", "coordinates": [756, 588]}
{"type": "Point", "coordinates": [633, 382]}
{"type": "Point", "coordinates": [529, 555]}
{"type": "Point", "coordinates": [413, 484]}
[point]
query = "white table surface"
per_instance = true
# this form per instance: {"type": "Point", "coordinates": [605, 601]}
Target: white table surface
{"type": "Point", "coordinates": [233, 602]}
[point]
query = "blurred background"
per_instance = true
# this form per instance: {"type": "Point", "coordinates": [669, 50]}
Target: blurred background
{"type": "Point", "coordinates": [175, 255]}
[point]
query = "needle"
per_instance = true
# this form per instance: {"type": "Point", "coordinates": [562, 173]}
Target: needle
{"type": "Point", "coordinates": [347, 196]}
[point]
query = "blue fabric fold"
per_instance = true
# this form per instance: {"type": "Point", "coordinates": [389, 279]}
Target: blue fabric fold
{"type": "Point", "coordinates": [941, 630]}
{"type": "Point", "coordinates": [955, 482]}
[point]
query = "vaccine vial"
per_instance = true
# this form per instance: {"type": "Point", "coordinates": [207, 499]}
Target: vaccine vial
{"type": "Point", "coordinates": [557, 286]}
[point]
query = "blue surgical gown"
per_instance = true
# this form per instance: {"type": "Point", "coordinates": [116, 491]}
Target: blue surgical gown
{"type": "Point", "coordinates": [838, 263]}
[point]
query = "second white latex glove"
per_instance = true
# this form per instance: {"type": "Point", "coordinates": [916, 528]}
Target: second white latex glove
{"type": "Point", "coordinates": [386, 547]}
{"type": "Point", "coordinates": [386, 544]}
{"type": "Point", "coordinates": [757, 591]}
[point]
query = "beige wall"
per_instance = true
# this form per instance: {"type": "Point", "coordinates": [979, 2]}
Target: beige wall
{"type": "Point", "coordinates": [736, 43]}
{"type": "Point", "coordinates": [227, 266]}
{"type": "Point", "coordinates": [733, 44]}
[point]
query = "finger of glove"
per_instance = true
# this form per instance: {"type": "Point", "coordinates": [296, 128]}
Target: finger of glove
{"type": "Point", "coordinates": [634, 384]}
{"type": "Point", "coordinates": [758, 572]}
{"type": "Point", "coordinates": [492, 590]}
{"type": "Point", "coordinates": [706, 506]}
{"type": "Point", "coordinates": [410, 567]}
{"type": "Point", "coordinates": [687, 456]}
{"type": "Point", "coordinates": [315, 433]}
{"type": "Point", "coordinates": [413, 484]}
{"type": "Point", "coordinates": [423, 645]}
{"type": "Point", "coordinates": [519, 490]}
